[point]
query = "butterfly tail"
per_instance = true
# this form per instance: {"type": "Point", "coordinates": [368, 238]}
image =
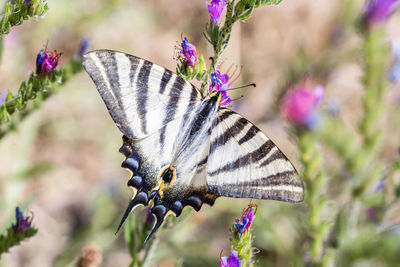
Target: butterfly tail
{"type": "Point", "coordinates": [159, 212]}
{"type": "Point", "coordinates": [140, 198]}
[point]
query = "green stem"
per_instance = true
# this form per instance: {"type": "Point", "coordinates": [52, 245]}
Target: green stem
{"type": "Point", "coordinates": [315, 181]}
{"type": "Point", "coordinates": [222, 43]}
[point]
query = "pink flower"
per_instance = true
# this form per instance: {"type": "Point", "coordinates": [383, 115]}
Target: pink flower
{"type": "Point", "coordinates": [299, 105]}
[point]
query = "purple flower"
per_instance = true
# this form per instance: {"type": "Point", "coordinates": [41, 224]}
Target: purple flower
{"type": "Point", "coordinates": [377, 11]}
{"type": "Point", "coordinates": [299, 105]}
{"type": "Point", "coordinates": [27, 2]}
{"type": "Point", "coordinates": [215, 9]}
{"type": "Point", "coordinates": [231, 261]}
{"type": "Point", "coordinates": [2, 98]}
{"type": "Point", "coordinates": [46, 61]}
{"type": "Point", "coordinates": [247, 219]}
{"type": "Point", "coordinates": [188, 51]}
{"type": "Point", "coordinates": [220, 82]}
{"type": "Point", "coordinates": [23, 223]}
{"type": "Point", "coordinates": [84, 47]}
{"type": "Point", "coordinates": [395, 68]}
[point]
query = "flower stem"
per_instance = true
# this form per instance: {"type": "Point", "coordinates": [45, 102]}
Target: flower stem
{"type": "Point", "coordinates": [314, 179]}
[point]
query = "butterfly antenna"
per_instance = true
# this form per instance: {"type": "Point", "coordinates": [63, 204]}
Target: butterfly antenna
{"type": "Point", "coordinates": [140, 198]}
{"type": "Point", "coordinates": [240, 87]}
{"type": "Point", "coordinates": [159, 212]}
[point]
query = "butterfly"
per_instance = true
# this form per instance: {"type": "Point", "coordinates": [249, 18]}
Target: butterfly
{"type": "Point", "coordinates": [183, 147]}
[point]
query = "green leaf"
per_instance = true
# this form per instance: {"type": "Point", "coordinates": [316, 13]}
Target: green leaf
{"type": "Point", "coordinates": [15, 12]}
{"type": "Point", "coordinates": [267, 2]}
{"type": "Point", "coordinates": [247, 14]}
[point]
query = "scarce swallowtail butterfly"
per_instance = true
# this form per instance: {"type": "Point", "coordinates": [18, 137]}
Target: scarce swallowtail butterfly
{"type": "Point", "coordinates": [184, 148]}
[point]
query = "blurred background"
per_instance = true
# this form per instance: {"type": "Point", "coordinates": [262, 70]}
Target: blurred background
{"type": "Point", "coordinates": [63, 162]}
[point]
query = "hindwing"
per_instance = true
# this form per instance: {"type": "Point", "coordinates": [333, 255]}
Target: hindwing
{"type": "Point", "coordinates": [243, 162]}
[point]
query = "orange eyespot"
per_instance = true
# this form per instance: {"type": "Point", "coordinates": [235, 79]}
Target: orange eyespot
{"type": "Point", "coordinates": [168, 175]}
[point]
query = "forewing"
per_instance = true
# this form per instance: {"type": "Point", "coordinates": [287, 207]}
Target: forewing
{"type": "Point", "coordinates": [141, 97]}
{"type": "Point", "coordinates": [244, 163]}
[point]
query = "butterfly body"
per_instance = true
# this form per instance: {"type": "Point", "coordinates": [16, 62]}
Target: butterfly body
{"type": "Point", "coordinates": [184, 148]}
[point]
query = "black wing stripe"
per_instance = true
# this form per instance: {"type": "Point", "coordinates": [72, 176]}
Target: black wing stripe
{"type": "Point", "coordinates": [282, 178]}
{"type": "Point", "coordinates": [109, 65]}
{"type": "Point", "coordinates": [226, 113]}
{"type": "Point", "coordinates": [164, 80]}
{"type": "Point", "coordinates": [253, 156]}
{"type": "Point", "coordinates": [249, 135]}
{"type": "Point", "coordinates": [171, 108]}
{"type": "Point", "coordinates": [276, 155]}
{"type": "Point", "coordinates": [141, 95]}
{"type": "Point", "coordinates": [229, 133]}
{"type": "Point", "coordinates": [190, 106]}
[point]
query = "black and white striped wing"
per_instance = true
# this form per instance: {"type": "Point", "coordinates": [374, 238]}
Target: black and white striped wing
{"type": "Point", "coordinates": [141, 97]}
{"type": "Point", "coordinates": [243, 162]}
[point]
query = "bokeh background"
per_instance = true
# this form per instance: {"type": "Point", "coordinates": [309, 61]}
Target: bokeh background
{"type": "Point", "coordinates": [63, 162]}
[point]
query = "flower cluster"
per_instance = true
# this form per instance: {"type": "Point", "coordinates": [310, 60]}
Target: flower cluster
{"type": "Point", "coordinates": [220, 82]}
{"type": "Point", "coordinates": [231, 261]}
{"type": "Point", "coordinates": [189, 52]}
{"type": "Point", "coordinates": [248, 215]}
{"type": "Point", "coordinates": [23, 223]}
{"type": "Point", "coordinates": [46, 61]}
{"type": "Point", "coordinates": [300, 103]}
{"type": "Point", "coordinates": [377, 11]}
{"type": "Point", "coordinates": [215, 8]}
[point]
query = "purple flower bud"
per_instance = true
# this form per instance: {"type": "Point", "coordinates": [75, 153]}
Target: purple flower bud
{"type": "Point", "coordinates": [247, 219]}
{"type": "Point", "coordinates": [215, 9]}
{"type": "Point", "coordinates": [189, 52]}
{"type": "Point", "coordinates": [231, 261]}
{"type": "Point", "coordinates": [377, 11]}
{"type": "Point", "coordinates": [299, 105]}
{"type": "Point", "coordinates": [39, 60]}
{"type": "Point", "coordinates": [23, 223]}
{"type": "Point", "coordinates": [84, 47]}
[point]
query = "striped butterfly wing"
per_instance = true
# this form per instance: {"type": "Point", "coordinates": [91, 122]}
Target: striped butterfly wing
{"type": "Point", "coordinates": [165, 122]}
{"type": "Point", "coordinates": [140, 96]}
{"type": "Point", "coordinates": [243, 162]}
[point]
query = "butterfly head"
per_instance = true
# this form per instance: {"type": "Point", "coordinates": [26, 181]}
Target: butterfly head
{"type": "Point", "coordinates": [217, 95]}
